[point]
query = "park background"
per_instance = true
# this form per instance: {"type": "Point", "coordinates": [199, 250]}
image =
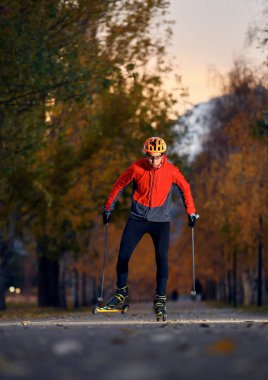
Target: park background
{"type": "Point", "coordinates": [83, 84]}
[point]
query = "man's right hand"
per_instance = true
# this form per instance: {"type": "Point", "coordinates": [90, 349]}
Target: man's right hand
{"type": "Point", "coordinates": [192, 220]}
{"type": "Point", "coordinates": [106, 216]}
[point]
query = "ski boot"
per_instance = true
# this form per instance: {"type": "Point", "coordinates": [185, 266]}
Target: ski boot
{"type": "Point", "coordinates": [160, 307]}
{"type": "Point", "coordinates": [117, 303]}
{"type": "Point", "coordinates": [119, 299]}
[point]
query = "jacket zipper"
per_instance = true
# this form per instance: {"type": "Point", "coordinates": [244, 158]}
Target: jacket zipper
{"type": "Point", "coordinates": [151, 189]}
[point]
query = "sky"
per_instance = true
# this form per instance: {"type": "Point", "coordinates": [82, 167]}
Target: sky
{"type": "Point", "coordinates": [209, 35]}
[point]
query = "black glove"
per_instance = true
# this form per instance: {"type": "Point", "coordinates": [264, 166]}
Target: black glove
{"type": "Point", "coordinates": [192, 220]}
{"type": "Point", "coordinates": [106, 216]}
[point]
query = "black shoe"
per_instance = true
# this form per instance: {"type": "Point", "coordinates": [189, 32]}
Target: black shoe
{"type": "Point", "coordinates": [118, 299]}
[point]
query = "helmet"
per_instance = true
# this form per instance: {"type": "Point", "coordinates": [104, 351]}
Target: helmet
{"type": "Point", "coordinates": [155, 145]}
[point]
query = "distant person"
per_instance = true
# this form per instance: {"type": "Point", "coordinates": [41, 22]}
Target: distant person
{"type": "Point", "coordinates": [152, 180]}
{"type": "Point", "coordinates": [175, 295]}
{"type": "Point", "coordinates": [198, 289]}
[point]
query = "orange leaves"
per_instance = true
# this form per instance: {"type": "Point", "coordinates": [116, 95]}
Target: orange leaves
{"type": "Point", "coordinates": [231, 179]}
{"type": "Point", "coordinates": [225, 346]}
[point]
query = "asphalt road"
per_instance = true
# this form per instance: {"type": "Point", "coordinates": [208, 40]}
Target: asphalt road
{"type": "Point", "coordinates": [196, 342]}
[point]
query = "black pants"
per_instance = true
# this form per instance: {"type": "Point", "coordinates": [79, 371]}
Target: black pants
{"type": "Point", "coordinates": [133, 232]}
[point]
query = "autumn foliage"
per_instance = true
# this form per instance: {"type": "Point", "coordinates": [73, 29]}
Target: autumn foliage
{"type": "Point", "coordinates": [81, 90]}
{"type": "Point", "coordinates": [230, 181]}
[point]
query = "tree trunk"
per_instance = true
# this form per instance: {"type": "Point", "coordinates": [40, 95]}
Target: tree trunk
{"type": "Point", "coordinates": [6, 249]}
{"type": "Point", "coordinates": [85, 301]}
{"type": "Point", "coordinates": [229, 284]}
{"type": "Point", "coordinates": [210, 290]}
{"type": "Point", "coordinates": [260, 265]}
{"type": "Point", "coordinates": [94, 290]}
{"type": "Point", "coordinates": [48, 282]}
{"type": "Point", "coordinates": [248, 283]}
{"type": "Point", "coordinates": [3, 268]}
{"type": "Point", "coordinates": [54, 298]}
{"type": "Point", "coordinates": [62, 283]}
{"type": "Point", "coordinates": [224, 296]}
{"type": "Point", "coordinates": [2, 287]}
{"type": "Point", "coordinates": [28, 275]}
{"type": "Point", "coordinates": [234, 298]}
{"type": "Point", "coordinates": [221, 290]}
{"type": "Point", "coordinates": [43, 297]}
{"type": "Point", "coordinates": [76, 288]}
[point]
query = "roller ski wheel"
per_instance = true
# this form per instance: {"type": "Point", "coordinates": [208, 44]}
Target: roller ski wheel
{"type": "Point", "coordinates": [162, 316]}
{"type": "Point", "coordinates": [160, 308]}
{"type": "Point", "coordinates": [125, 309]}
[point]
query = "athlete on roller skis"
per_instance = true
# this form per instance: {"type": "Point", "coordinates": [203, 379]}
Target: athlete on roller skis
{"type": "Point", "coordinates": [153, 178]}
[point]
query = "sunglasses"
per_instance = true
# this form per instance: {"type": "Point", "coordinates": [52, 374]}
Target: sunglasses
{"type": "Point", "coordinates": [153, 158]}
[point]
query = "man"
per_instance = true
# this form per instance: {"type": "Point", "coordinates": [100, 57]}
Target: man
{"type": "Point", "coordinates": [153, 178]}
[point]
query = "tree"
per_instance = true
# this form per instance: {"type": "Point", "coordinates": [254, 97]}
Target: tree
{"type": "Point", "coordinates": [64, 84]}
{"type": "Point", "coordinates": [231, 179]}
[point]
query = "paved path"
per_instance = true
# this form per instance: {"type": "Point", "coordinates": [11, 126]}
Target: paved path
{"type": "Point", "coordinates": [197, 342]}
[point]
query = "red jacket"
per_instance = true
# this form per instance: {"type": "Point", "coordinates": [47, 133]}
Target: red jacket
{"type": "Point", "coordinates": [152, 188]}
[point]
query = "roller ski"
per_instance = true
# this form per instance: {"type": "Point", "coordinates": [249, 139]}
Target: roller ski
{"type": "Point", "coordinates": [160, 308]}
{"type": "Point", "coordinates": [116, 304]}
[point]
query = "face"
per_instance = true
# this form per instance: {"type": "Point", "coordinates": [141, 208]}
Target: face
{"type": "Point", "coordinates": [154, 159]}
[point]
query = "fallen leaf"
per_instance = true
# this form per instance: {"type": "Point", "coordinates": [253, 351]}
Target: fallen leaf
{"type": "Point", "coordinates": [25, 323]}
{"type": "Point", "coordinates": [204, 325]}
{"type": "Point", "coordinates": [223, 347]}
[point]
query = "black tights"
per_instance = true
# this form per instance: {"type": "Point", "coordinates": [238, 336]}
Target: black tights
{"type": "Point", "coordinates": [133, 232]}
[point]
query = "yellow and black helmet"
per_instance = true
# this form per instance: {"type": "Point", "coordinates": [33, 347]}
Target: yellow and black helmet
{"type": "Point", "coordinates": [155, 145]}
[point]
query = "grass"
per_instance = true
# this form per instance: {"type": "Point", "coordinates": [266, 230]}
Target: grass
{"type": "Point", "coordinates": [32, 311]}
{"type": "Point", "coordinates": [245, 308]}
{"type": "Point", "coordinates": [25, 311]}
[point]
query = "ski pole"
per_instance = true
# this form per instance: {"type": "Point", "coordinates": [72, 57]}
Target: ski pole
{"type": "Point", "coordinates": [100, 298]}
{"type": "Point", "coordinates": [193, 292]}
